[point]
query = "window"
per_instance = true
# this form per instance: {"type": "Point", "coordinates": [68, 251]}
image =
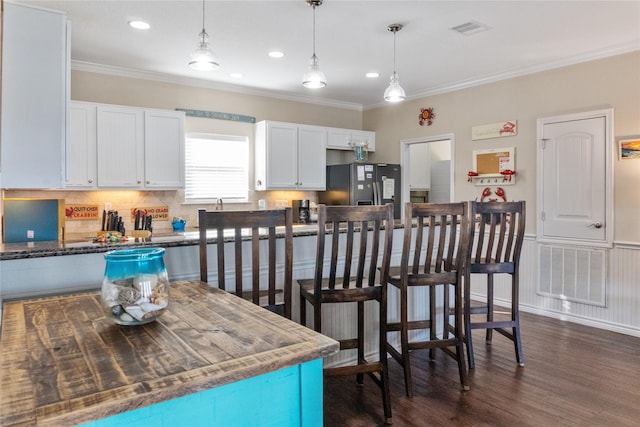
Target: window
{"type": "Point", "coordinates": [216, 166]}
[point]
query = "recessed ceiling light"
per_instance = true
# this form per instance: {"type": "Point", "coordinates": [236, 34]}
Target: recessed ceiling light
{"type": "Point", "coordinates": [236, 75]}
{"type": "Point", "coordinates": [276, 54]}
{"type": "Point", "coordinates": [139, 25]}
{"type": "Point", "coordinates": [372, 75]}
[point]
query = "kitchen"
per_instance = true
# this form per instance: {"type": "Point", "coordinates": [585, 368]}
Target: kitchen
{"type": "Point", "coordinates": [607, 80]}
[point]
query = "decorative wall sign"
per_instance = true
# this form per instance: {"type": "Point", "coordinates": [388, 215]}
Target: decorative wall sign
{"type": "Point", "coordinates": [426, 116]}
{"type": "Point", "coordinates": [81, 212]}
{"type": "Point", "coordinates": [217, 115]}
{"type": "Point", "coordinates": [158, 213]}
{"type": "Point", "coordinates": [629, 147]}
{"type": "Point", "coordinates": [494, 130]}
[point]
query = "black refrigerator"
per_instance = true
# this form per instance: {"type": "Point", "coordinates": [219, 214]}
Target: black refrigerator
{"type": "Point", "coordinates": [363, 184]}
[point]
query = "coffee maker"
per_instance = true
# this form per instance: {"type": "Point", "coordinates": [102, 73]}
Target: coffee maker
{"type": "Point", "coordinates": [300, 211]}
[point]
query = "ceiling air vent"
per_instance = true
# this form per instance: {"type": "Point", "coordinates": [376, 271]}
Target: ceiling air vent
{"type": "Point", "coordinates": [470, 28]}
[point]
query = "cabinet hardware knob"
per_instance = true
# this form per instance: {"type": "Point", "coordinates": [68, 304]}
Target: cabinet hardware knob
{"type": "Point", "coordinates": [90, 181]}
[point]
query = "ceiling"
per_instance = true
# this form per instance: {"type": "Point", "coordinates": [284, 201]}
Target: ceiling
{"type": "Point", "coordinates": [351, 40]}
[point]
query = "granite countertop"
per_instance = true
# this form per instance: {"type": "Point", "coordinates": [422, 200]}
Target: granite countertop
{"type": "Point", "coordinates": [62, 362]}
{"type": "Point", "coordinates": [83, 244]}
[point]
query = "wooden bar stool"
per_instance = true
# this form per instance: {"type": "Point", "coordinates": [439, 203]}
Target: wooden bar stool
{"type": "Point", "coordinates": [497, 251]}
{"type": "Point", "coordinates": [434, 254]}
{"type": "Point", "coordinates": [272, 292]}
{"type": "Point", "coordinates": [352, 265]}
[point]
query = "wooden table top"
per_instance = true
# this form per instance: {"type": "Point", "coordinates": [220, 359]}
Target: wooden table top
{"type": "Point", "coordinates": [62, 362]}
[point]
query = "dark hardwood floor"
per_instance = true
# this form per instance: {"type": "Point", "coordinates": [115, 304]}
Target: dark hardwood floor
{"type": "Point", "coordinates": [574, 375]}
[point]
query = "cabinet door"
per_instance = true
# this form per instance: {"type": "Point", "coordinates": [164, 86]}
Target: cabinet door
{"type": "Point", "coordinates": [282, 156]}
{"type": "Point", "coordinates": [34, 97]}
{"type": "Point", "coordinates": [366, 136]}
{"type": "Point", "coordinates": [312, 158]}
{"type": "Point", "coordinates": [120, 147]}
{"type": "Point", "coordinates": [164, 149]}
{"type": "Point", "coordinates": [81, 146]}
{"type": "Point", "coordinates": [338, 139]}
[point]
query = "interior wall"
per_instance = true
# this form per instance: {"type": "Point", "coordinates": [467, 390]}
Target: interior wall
{"type": "Point", "coordinates": [610, 82]}
{"type": "Point", "coordinates": [94, 87]}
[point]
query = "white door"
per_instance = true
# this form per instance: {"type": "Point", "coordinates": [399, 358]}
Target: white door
{"type": "Point", "coordinates": [574, 178]}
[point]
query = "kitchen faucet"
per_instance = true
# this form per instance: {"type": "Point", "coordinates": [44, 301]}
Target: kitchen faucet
{"type": "Point", "coordinates": [219, 204]}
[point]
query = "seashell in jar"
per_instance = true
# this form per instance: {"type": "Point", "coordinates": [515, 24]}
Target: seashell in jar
{"type": "Point", "coordinates": [145, 283]}
{"type": "Point", "coordinates": [110, 294]}
{"type": "Point", "coordinates": [128, 296]}
{"type": "Point", "coordinates": [135, 311]}
{"type": "Point", "coordinates": [159, 296]}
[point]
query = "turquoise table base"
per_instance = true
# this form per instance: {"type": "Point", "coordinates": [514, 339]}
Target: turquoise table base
{"type": "Point", "coordinates": [288, 397]}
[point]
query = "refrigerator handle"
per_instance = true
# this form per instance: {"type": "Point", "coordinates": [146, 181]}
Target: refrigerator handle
{"type": "Point", "coordinates": [376, 193]}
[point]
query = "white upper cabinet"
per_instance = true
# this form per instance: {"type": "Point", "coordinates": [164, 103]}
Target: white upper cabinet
{"type": "Point", "coordinates": [81, 166]}
{"type": "Point", "coordinates": [290, 156]}
{"type": "Point", "coordinates": [35, 67]}
{"type": "Point", "coordinates": [163, 149]}
{"type": "Point", "coordinates": [342, 139]}
{"type": "Point", "coordinates": [312, 158]}
{"type": "Point", "coordinates": [112, 146]}
{"type": "Point", "coordinates": [120, 147]}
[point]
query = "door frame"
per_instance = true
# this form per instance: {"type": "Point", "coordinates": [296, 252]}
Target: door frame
{"type": "Point", "coordinates": [607, 113]}
{"type": "Point", "coordinates": [404, 162]}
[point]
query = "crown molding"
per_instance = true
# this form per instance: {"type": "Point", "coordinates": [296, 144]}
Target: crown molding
{"type": "Point", "coordinates": [565, 62]}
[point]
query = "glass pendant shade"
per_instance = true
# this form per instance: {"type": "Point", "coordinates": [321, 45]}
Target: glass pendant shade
{"type": "Point", "coordinates": [394, 92]}
{"type": "Point", "coordinates": [203, 58]}
{"type": "Point", "coordinates": [314, 78]}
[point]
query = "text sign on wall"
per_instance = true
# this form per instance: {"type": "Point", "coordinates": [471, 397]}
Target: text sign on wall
{"type": "Point", "coordinates": [81, 212]}
{"type": "Point", "coordinates": [494, 130]}
{"type": "Point", "coordinates": [158, 213]}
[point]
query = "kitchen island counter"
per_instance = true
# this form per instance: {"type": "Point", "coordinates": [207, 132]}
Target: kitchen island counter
{"type": "Point", "coordinates": [63, 363]}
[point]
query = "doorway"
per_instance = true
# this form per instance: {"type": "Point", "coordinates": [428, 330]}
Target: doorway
{"type": "Point", "coordinates": [427, 169]}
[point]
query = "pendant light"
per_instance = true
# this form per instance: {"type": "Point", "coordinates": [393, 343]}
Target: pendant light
{"type": "Point", "coordinates": [314, 78]}
{"type": "Point", "coordinates": [394, 92]}
{"type": "Point", "coordinates": [203, 58]}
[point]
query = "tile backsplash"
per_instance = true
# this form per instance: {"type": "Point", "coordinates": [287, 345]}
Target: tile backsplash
{"type": "Point", "coordinates": [123, 200]}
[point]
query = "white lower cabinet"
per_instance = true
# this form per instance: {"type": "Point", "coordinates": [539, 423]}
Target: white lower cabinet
{"type": "Point", "coordinates": [290, 156]}
{"type": "Point", "coordinates": [118, 147]}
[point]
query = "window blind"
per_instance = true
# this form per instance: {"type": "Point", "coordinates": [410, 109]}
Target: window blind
{"type": "Point", "coordinates": [216, 166]}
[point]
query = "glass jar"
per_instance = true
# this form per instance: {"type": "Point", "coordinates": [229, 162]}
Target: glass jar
{"type": "Point", "coordinates": [360, 150]}
{"type": "Point", "coordinates": [135, 288]}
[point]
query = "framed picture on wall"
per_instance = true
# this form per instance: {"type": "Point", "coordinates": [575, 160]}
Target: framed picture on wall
{"type": "Point", "coordinates": [629, 147]}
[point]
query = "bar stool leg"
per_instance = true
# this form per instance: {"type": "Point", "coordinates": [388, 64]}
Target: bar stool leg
{"type": "Point", "coordinates": [303, 311]}
{"type": "Point", "coordinates": [489, 331]}
{"type": "Point", "coordinates": [467, 323]}
{"type": "Point", "coordinates": [515, 317]}
{"type": "Point", "coordinates": [384, 375]}
{"type": "Point", "coordinates": [404, 342]}
{"type": "Point", "coordinates": [360, 377]}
